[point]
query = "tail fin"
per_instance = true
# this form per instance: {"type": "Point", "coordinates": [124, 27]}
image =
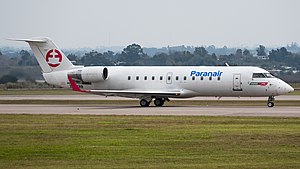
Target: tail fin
{"type": "Point", "coordinates": [48, 55]}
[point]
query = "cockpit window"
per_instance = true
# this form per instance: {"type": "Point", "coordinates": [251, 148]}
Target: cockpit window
{"type": "Point", "coordinates": [268, 75]}
{"type": "Point", "coordinates": [258, 75]}
{"type": "Point", "coordinates": [262, 75]}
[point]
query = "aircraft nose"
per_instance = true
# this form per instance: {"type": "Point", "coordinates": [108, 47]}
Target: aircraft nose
{"type": "Point", "coordinates": [284, 87]}
{"type": "Point", "coordinates": [289, 88]}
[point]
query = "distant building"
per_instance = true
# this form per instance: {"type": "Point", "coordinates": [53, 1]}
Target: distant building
{"type": "Point", "coordinates": [261, 57]}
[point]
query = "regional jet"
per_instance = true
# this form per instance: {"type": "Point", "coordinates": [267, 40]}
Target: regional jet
{"type": "Point", "coordinates": [155, 83]}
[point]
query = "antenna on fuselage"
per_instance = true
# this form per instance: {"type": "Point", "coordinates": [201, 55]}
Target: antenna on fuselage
{"type": "Point", "coordinates": [227, 64]}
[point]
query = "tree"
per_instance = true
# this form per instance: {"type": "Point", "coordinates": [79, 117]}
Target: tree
{"type": "Point", "coordinates": [261, 51]}
{"type": "Point", "coordinates": [201, 51]}
{"type": "Point", "coordinates": [214, 56]}
{"type": "Point", "coordinates": [8, 78]}
{"type": "Point", "coordinates": [73, 58]}
{"type": "Point", "coordinates": [239, 53]}
{"type": "Point", "coordinates": [246, 52]}
{"type": "Point", "coordinates": [26, 59]}
{"type": "Point", "coordinates": [110, 55]}
{"type": "Point", "coordinates": [182, 57]}
{"type": "Point", "coordinates": [279, 54]}
{"type": "Point", "coordinates": [94, 58]}
{"type": "Point", "coordinates": [162, 59]}
{"type": "Point", "coordinates": [132, 53]}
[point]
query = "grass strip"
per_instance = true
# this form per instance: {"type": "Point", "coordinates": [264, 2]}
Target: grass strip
{"type": "Point", "coordinates": [77, 141]}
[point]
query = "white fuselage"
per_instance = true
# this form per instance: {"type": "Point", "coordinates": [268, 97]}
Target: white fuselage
{"type": "Point", "coordinates": [191, 81]}
{"type": "Point", "coordinates": [155, 82]}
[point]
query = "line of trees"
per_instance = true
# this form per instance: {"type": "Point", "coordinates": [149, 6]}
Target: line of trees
{"type": "Point", "coordinates": [134, 55]}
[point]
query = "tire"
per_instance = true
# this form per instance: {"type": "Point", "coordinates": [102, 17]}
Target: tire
{"type": "Point", "coordinates": [270, 104]}
{"type": "Point", "coordinates": [144, 103]}
{"type": "Point", "coordinates": [159, 102]}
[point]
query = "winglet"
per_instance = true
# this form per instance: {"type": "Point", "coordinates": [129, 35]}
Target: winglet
{"type": "Point", "coordinates": [75, 86]}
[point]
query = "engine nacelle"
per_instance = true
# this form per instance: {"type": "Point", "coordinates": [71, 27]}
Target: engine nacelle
{"type": "Point", "coordinates": [90, 74]}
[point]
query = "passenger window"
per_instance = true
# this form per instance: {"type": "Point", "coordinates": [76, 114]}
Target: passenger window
{"type": "Point", "coordinates": [160, 78]}
{"type": "Point", "coordinates": [193, 78]}
{"type": "Point", "coordinates": [145, 78]}
{"type": "Point", "coordinates": [137, 78]}
{"type": "Point", "coordinates": [169, 77]}
{"type": "Point", "coordinates": [202, 78]}
{"type": "Point", "coordinates": [184, 77]}
{"type": "Point", "coordinates": [219, 78]}
{"type": "Point", "coordinates": [177, 78]}
{"type": "Point", "coordinates": [129, 77]}
{"type": "Point", "coordinates": [258, 75]}
{"type": "Point", "coordinates": [210, 78]}
{"type": "Point", "coordinates": [153, 77]}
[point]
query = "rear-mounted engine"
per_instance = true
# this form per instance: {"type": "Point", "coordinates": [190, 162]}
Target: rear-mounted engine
{"type": "Point", "coordinates": [90, 74]}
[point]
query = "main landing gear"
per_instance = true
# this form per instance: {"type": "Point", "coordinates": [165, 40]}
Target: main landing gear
{"type": "Point", "coordinates": [270, 101]}
{"type": "Point", "coordinates": [144, 103]}
{"type": "Point", "coordinates": [158, 102]}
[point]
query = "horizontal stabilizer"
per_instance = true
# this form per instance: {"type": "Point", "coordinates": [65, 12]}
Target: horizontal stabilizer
{"type": "Point", "coordinates": [29, 40]}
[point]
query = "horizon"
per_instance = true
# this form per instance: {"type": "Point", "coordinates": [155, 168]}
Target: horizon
{"type": "Point", "coordinates": [159, 47]}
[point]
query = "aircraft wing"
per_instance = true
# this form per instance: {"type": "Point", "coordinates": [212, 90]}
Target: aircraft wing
{"type": "Point", "coordinates": [134, 93]}
{"type": "Point", "coordinates": [127, 93]}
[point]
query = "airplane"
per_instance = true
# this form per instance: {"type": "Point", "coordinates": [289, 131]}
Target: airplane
{"type": "Point", "coordinates": [158, 83]}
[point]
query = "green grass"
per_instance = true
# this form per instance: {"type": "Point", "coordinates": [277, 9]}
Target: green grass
{"type": "Point", "coordinates": [72, 141]}
{"type": "Point", "coordinates": [171, 103]}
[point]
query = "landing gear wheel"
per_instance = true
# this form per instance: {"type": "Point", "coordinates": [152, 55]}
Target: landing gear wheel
{"type": "Point", "coordinates": [144, 103]}
{"type": "Point", "coordinates": [159, 102]}
{"type": "Point", "coordinates": [270, 101]}
{"type": "Point", "coordinates": [270, 104]}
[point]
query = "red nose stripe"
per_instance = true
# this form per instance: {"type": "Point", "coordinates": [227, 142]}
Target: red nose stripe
{"type": "Point", "coordinates": [263, 83]}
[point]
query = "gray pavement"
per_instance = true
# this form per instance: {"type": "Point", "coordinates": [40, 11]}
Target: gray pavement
{"type": "Point", "coordinates": [279, 111]}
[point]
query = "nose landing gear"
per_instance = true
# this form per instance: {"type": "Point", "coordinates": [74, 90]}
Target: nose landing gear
{"type": "Point", "coordinates": [270, 101]}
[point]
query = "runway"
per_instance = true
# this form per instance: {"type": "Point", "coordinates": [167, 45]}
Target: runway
{"type": "Point", "coordinates": [279, 111]}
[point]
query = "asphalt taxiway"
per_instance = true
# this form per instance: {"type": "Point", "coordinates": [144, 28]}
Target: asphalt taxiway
{"type": "Point", "coordinates": [279, 111]}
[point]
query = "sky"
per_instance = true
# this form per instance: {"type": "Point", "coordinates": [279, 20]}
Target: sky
{"type": "Point", "coordinates": [152, 23]}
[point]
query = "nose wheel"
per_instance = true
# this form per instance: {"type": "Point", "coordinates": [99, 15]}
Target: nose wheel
{"type": "Point", "coordinates": [271, 101]}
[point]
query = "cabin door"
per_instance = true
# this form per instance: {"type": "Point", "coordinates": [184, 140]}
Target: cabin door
{"type": "Point", "coordinates": [169, 77]}
{"type": "Point", "coordinates": [237, 82]}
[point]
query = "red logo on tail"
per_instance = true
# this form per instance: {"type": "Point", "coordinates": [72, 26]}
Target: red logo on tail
{"type": "Point", "coordinates": [53, 57]}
